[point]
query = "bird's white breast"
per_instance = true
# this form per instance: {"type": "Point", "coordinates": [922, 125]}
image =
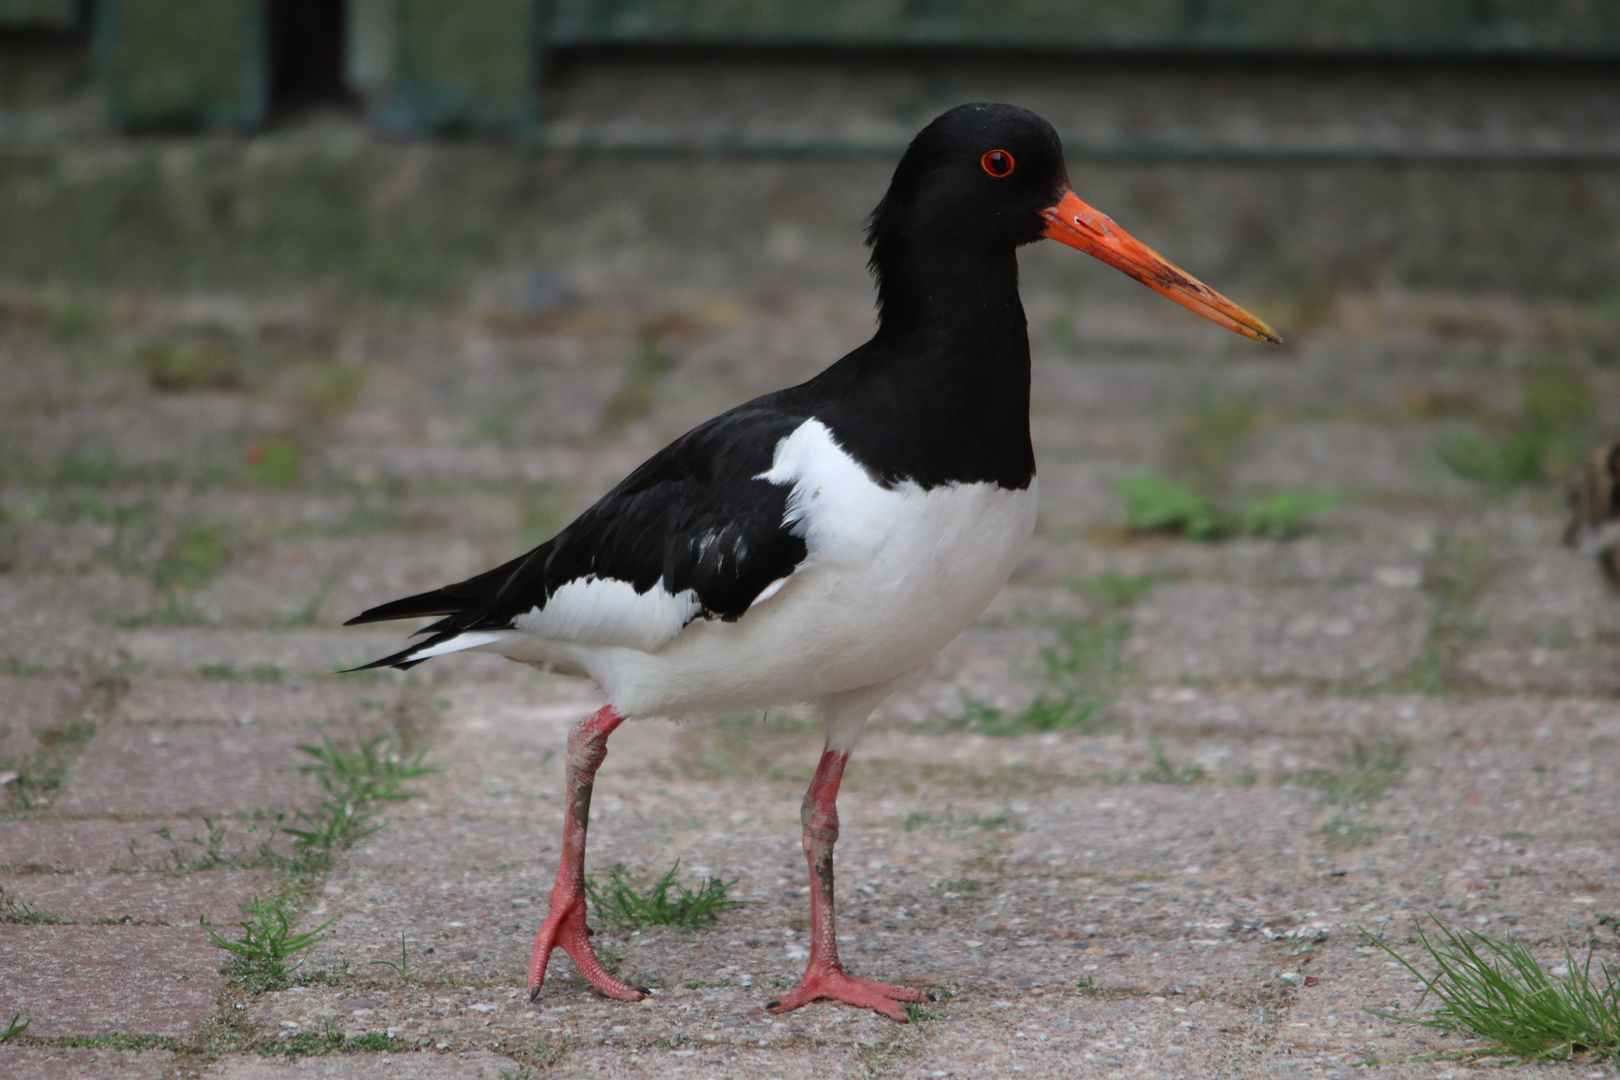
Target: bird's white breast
{"type": "Point", "coordinates": [891, 575]}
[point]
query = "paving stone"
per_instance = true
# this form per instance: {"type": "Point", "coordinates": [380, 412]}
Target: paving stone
{"type": "Point", "coordinates": [474, 1065]}
{"type": "Point", "coordinates": [190, 768]}
{"type": "Point", "coordinates": [297, 652]}
{"type": "Point", "coordinates": [1554, 595]}
{"type": "Point", "coordinates": [171, 899]}
{"type": "Point", "coordinates": [74, 1063]}
{"type": "Point", "coordinates": [91, 980]}
{"type": "Point", "coordinates": [1348, 456]}
{"type": "Point", "coordinates": [29, 704]}
{"type": "Point", "coordinates": [54, 622]}
{"type": "Point", "coordinates": [331, 579]}
{"type": "Point", "coordinates": [60, 846]}
{"type": "Point", "coordinates": [1518, 666]}
{"type": "Point", "coordinates": [1358, 632]}
{"type": "Point", "coordinates": [154, 700]}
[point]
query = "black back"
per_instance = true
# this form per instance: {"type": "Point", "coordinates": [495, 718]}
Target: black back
{"type": "Point", "coordinates": [940, 395]}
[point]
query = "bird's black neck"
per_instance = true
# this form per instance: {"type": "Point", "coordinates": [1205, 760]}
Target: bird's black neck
{"type": "Point", "coordinates": [941, 394]}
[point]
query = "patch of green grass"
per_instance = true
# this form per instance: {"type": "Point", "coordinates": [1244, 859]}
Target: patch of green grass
{"type": "Point", "coordinates": [1284, 515]}
{"type": "Point", "coordinates": [1113, 591]}
{"type": "Point", "coordinates": [331, 1041]}
{"type": "Point", "coordinates": [39, 777]}
{"type": "Point", "coordinates": [263, 673]}
{"type": "Point", "coordinates": [192, 559]}
{"type": "Point", "coordinates": [1457, 572]}
{"type": "Point", "coordinates": [355, 780]}
{"type": "Point", "coordinates": [931, 1007]}
{"type": "Point", "coordinates": [1343, 833]}
{"type": "Point", "coordinates": [1081, 674]}
{"type": "Point", "coordinates": [1494, 989]}
{"type": "Point", "coordinates": [1156, 505]}
{"type": "Point", "coordinates": [1543, 441]}
{"type": "Point", "coordinates": [1363, 777]}
{"type": "Point", "coordinates": [178, 367]}
{"type": "Point", "coordinates": [17, 1026]}
{"type": "Point", "coordinates": [403, 968]}
{"type": "Point", "coordinates": [259, 953]}
{"type": "Point", "coordinates": [1164, 772]}
{"type": "Point", "coordinates": [274, 462]}
{"type": "Point", "coordinates": [13, 910]}
{"type": "Point", "coordinates": [962, 885]}
{"type": "Point", "coordinates": [665, 902]}
{"type": "Point", "coordinates": [207, 852]}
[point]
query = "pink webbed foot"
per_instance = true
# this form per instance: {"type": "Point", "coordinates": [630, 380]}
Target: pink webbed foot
{"type": "Point", "coordinates": [826, 982]}
{"type": "Point", "coordinates": [565, 929]}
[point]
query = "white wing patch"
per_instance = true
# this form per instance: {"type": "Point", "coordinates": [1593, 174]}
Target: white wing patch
{"type": "Point", "coordinates": [605, 611]}
{"type": "Point", "coordinates": [822, 473]}
{"type": "Point", "coordinates": [458, 643]}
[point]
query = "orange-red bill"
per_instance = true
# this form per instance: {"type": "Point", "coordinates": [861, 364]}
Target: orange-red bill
{"type": "Point", "coordinates": [1074, 223]}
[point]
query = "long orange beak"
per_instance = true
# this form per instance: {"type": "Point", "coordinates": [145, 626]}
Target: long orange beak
{"type": "Point", "coordinates": [1074, 223]}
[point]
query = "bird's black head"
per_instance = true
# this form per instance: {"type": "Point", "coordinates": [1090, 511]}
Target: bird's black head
{"type": "Point", "coordinates": [974, 185]}
{"type": "Point", "coordinates": [977, 180]}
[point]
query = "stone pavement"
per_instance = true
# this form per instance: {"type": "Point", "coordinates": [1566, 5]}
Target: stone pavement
{"type": "Point", "coordinates": [1407, 710]}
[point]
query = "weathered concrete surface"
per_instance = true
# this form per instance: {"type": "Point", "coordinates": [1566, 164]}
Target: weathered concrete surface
{"type": "Point", "coordinates": [1261, 748]}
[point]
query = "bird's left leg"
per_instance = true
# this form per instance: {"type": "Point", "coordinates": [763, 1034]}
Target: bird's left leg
{"type": "Point", "coordinates": [825, 976]}
{"type": "Point", "coordinates": [565, 927]}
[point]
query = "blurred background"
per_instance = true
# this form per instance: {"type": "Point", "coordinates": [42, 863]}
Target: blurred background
{"type": "Point", "coordinates": [287, 283]}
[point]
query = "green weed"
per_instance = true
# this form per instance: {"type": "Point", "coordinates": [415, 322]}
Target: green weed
{"type": "Point", "coordinates": [1286, 514]}
{"type": "Point", "coordinates": [192, 559]}
{"type": "Point", "coordinates": [259, 954]}
{"type": "Point", "coordinates": [1543, 441]}
{"type": "Point", "coordinates": [208, 852]}
{"type": "Point", "coordinates": [274, 462]}
{"type": "Point", "coordinates": [13, 910]}
{"type": "Point", "coordinates": [1156, 505]}
{"type": "Point", "coordinates": [180, 368]}
{"type": "Point", "coordinates": [1163, 772]}
{"type": "Point", "coordinates": [1363, 777]}
{"type": "Point", "coordinates": [1116, 591]}
{"type": "Point", "coordinates": [665, 902]}
{"type": "Point", "coordinates": [403, 968]}
{"type": "Point", "coordinates": [1494, 989]}
{"type": "Point", "coordinates": [1342, 833]}
{"type": "Point", "coordinates": [355, 780]}
{"type": "Point", "coordinates": [1456, 575]}
{"type": "Point", "coordinates": [331, 1041]}
{"type": "Point", "coordinates": [17, 1026]}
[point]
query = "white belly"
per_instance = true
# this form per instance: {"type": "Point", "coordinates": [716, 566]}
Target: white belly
{"type": "Point", "coordinates": [890, 577]}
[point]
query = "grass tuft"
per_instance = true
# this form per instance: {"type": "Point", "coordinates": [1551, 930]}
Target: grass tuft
{"type": "Point", "coordinates": [13, 910]}
{"type": "Point", "coordinates": [1156, 505]}
{"type": "Point", "coordinates": [354, 780]}
{"type": "Point", "coordinates": [1163, 772]}
{"type": "Point", "coordinates": [1543, 441]}
{"type": "Point", "coordinates": [1363, 777]}
{"type": "Point", "coordinates": [665, 902]}
{"type": "Point", "coordinates": [1495, 989]}
{"type": "Point", "coordinates": [259, 953]}
{"type": "Point", "coordinates": [17, 1026]}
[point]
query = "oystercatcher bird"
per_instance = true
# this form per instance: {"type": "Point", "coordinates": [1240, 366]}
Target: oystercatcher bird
{"type": "Point", "coordinates": [819, 544]}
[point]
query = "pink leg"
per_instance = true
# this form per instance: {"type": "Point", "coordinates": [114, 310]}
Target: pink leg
{"type": "Point", "coordinates": [825, 976]}
{"type": "Point", "coordinates": [565, 927]}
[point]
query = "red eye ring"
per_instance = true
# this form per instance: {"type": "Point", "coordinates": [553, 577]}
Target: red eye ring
{"type": "Point", "coordinates": [998, 163]}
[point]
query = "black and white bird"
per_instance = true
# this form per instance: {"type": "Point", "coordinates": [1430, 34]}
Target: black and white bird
{"type": "Point", "coordinates": [820, 544]}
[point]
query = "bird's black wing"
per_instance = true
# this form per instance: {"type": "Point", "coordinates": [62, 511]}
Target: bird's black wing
{"type": "Point", "coordinates": [693, 517]}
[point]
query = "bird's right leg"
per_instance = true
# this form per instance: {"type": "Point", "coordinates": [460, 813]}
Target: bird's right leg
{"type": "Point", "coordinates": [565, 927]}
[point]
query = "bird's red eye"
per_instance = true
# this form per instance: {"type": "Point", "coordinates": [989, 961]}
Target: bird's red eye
{"type": "Point", "coordinates": [997, 163]}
